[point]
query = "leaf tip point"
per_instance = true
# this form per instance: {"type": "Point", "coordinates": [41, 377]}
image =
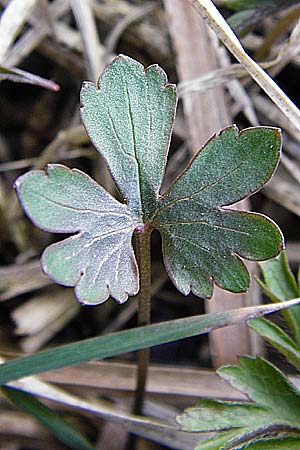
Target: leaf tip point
{"type": "Point", "coordinates": [16, 184]}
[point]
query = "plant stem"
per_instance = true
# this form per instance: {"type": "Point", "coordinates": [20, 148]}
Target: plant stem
{"type": "Point", "coordinates": [143, 238]}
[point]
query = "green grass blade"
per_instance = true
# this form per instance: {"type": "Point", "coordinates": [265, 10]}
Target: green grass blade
{"type": "Point", "coordinates": [130, 340]}
{"type": "Point", "coordinates": [49, 419]}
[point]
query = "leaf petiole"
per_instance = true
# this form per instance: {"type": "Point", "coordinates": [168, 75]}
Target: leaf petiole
{"type": "Point", "coordinates": [143, 247]}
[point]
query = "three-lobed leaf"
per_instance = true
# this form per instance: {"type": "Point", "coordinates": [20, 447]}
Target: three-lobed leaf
{"type": "Point", "coordinates": [129, 118]}
{"type": "Point", "coordinates": [275, 408]}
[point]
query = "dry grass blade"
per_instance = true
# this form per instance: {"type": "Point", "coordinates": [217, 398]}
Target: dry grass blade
{"type": "Point", "coordinates": [284, 190]}
{"type": "Point", "coordinates": [215, 20]}
{"type": "Point", "coordinates": [83, 13]}
{"type": "Point", "coordinates": [214, 78]}
{"type": "Point", "coordinates": [289, 50]}
{"type": "Point", "coordinates": [28, 162]}
{"type": "Point", "coordinates": [267, 109]}
{"type": "Point", "coordinates": [136, 14]}
{"type": "Point", "coordinates": [68, 37]}
{"type": "Point", "coordinates": [293, 252]}
{"type": "Point", "coordinates": [159, 431]}
{"type": "Point", "coordinates": [292, 167]}
{"type": "Point", "coordinates": [41, 317]}
{"type": "Point", "coordinates": [165, 381]}
{"type": "Point", "coordinates": [284, 54]}
{"type": "Point", "coordinates": [21, 278]}
{"type": "Point", "coordinates": [46, 19]}
{"type": "Point", "coordinates": [12, 21]}
{"type": "Point", "coordinates": [71, 136]}
{"type": "Point", "coordinates": [151, 37]}
{"type": "Point", "coordinates": [237, 91]}
{"type": "Point", "coordinates": [33, 37]}
{"type": "Point", "coordinates": [276, 32]}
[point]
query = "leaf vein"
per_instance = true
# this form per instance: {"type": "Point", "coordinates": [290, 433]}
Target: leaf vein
{"type": "Point", "coordinates": [96, 238]}
{"type": "Point", "coordinates": [205, 223]}
{"type": "Point", "coordinates": [114, 129]}
{"type": "Point", "coordinates": [106, 258]}
{"type": "Point", "coordinates": [131, 121]}
{"type": "Point", "coordinates": [203, 188]}
{"type": "Point", "coordinates": [83, 210]}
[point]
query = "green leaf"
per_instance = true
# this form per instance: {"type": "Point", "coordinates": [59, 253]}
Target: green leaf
{"type": "Point", "coordinates": [48, 418]}
{"type": "Point", "coordinates": [278, 338]}
{"type": "Point", "coordinates": [276, 407]}
{"type": "Point", "coordinates": [130, 340]}
{"type": "Point", "coordinates": [280, 285]}
{"type": "Point", "coordinates": [99, 260]}
{"type": "Point", "coordinates": [201, 241]}
{"type": "Point", "coordinates": [129, 119]}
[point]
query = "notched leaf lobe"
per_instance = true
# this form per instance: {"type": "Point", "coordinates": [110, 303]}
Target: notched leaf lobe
{"type": "Point", "coordinates": [129, 118]}
{"type": "Point", "coordinates": [99, 260]}
{"type": "Point", "coordinates": [202, 242]}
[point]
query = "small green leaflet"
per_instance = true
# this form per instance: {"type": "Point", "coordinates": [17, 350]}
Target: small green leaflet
{"type": "Point", "coordinates": [129, 118]}
{"type": "Point", "coordinates": [275, 409]}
